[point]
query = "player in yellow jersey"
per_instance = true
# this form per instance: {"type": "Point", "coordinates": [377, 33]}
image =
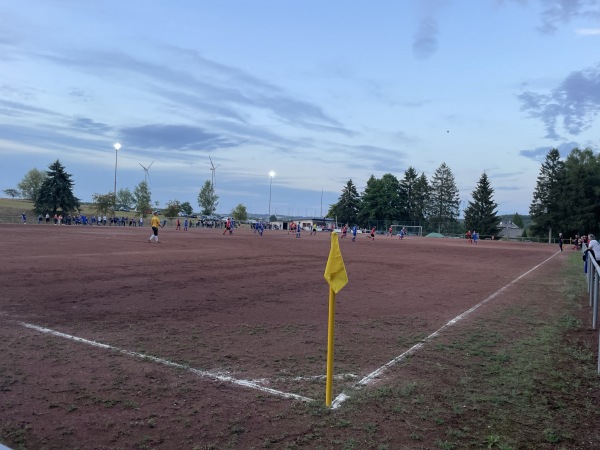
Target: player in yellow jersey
{"type": "Point", "coordinates": [154, 223]}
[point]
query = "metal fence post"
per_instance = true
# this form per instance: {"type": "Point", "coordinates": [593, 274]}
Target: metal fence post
{"type": "Point", "coordinates": [595, 295]}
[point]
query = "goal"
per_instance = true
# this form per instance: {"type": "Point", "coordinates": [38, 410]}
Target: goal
{"type": "Point", "coordinates": [411, 230]}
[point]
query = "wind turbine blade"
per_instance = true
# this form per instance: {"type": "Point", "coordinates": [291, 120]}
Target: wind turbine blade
{"type": "Point", "coordinates": [142, 166]}
{"type": "Point", "coordinates": [150, 165]}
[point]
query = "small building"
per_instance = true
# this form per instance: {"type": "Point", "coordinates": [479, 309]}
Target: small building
{"type": "Point", "coordinates": [510, 230]}
{"type": "Point", "coordinates": [323, 223]}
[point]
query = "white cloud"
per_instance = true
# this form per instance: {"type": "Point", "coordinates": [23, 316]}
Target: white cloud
{"type": "Point", "coordinates": [588, 31]}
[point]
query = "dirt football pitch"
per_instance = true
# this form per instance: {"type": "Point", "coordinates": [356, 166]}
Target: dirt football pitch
{"type": "Point", "coordinates": [214, 341]}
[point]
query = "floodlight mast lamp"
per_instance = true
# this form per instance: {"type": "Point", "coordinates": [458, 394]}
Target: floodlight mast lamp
{"type": "Point", "coordinates": [271, 174]}
{"type": "Point", "coordinates": [117, 146]}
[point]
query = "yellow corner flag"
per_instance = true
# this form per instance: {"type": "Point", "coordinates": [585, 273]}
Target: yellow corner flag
{"type": "Point", "coordinates": [335, 271]}
{"type": "Point", "coordinates": [336, 276]}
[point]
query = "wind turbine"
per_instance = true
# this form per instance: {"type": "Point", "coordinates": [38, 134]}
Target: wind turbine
{"type": "Point", "coordinates": [146, 169]}
{"type": "Point", "coordinates": [213, 169]}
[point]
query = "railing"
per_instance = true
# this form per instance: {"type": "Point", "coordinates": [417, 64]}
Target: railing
{"type": "Point", "coordinates": [592, 270]}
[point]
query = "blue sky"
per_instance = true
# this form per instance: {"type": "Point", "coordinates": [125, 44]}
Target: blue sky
{"type": "Point", "coordinates": [317, 91]}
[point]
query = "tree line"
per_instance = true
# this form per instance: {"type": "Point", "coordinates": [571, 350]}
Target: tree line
{"type": "Point", "coordinates": [566, 198]}
{"type": "Point", "coordinates": [51, 191]}
{"type": "Point", "coordinates": [415, 200]}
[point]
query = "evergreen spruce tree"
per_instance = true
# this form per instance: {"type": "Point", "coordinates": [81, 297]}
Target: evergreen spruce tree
{"type": "Point", "coordinates": [445, 201]}
{"type": "Point", "coordinates": [391, 204]}
{"type": "Point", "coordinates": [347, 206]}
{"type": "Point", "coordinates": [408, 198]}
{"type": "Point", "coordinates": [480, 214]}
{"type": "Point", "coordinates": [370, 206]}
{"type": "Point", "coordinates": [546, 208]}
{"type": "Point", "coordinates": [518, 221]}
{"type": "Point", "coordinates": [56, 192]}
{"type": "Point", "coordinates": [580, 194]}
{"type": "Point", "coordinates": [421, 206]}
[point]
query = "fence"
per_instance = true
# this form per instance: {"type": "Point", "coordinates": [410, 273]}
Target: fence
{"type": "Point", "coordinates": [593, 280]}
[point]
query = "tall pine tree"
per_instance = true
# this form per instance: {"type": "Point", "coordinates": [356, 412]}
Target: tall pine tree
{"type": "Point", "coordinates": [547, 206]}
{"type": "Point", "coordinates": [422, 200]}
{"type": "Point", "coordinates": [445, 201]}
{"type": "Point", "coordinates": [581, 194]}
{"type": "Point", "coordinates": [56, 192]}
{"type": "Point", "coordinates": [481, 214]}
{"type": "Point", "coordinates": [346, 209]}
{"type": "Point", "coordinates": [407, 194]}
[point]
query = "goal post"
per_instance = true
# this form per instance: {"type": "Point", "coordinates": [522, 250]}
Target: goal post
{"type": "Point", "coordinates": [411, 230]}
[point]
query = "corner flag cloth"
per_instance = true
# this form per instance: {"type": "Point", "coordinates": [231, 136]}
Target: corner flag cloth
{"type": "Point", "coordinates": [335, 271]}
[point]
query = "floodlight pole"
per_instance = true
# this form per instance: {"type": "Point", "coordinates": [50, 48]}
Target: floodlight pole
{"type": "Point", "coordinates": [117, 146]}
{"type": "Point", "coordinates": [271, 174]}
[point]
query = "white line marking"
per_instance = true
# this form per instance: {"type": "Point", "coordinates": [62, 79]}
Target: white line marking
{"type": "Point", "coordinates": [201, 373]}
{"type": "Point", "coordinates": [341, 398]}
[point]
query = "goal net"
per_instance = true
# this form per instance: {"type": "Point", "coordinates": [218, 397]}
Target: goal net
{"type": "Point", "coordinates": [410, 230]}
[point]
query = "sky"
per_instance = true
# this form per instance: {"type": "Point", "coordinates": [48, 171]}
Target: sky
{"type": "Point", "coordinates": [318, 92]}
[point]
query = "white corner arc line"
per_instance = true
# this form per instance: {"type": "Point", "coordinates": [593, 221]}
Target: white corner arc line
{"type": "Point", "coordinates": [341, 398]}
{"type": "Point", "coordinates": [165, 362]}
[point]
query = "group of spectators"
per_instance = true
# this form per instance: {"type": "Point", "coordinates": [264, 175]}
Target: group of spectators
{"type": "Point", "coordinates": [82, 219]}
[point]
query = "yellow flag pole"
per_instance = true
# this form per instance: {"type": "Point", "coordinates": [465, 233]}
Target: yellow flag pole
{"type": "Point", "coordinates": [330, 337]}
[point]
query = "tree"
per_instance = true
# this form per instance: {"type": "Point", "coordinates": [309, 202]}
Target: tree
{"type": "Point", "coordinates": [422, 199]}
{"type": "Point", "coordinates": [142, 199]}
{"type": "Point", "coordinates": [381, 200]}
{"type": "Point", "coordinates": [239, 213]}
{"type": "Point", "coordinates": [186, 208]}
{"type": "Point", "coordinates": [481, 214]}
{"type": "Point", "coordinates": [56, 192]}
{"type": "Point", "coordinates": [12, 193]}
{"type": "Point", "coordinates": [207, 199]}
{"type": "Point", "coordinates": [103, 203]}
{"type": "Point", "coordinates": [445, 201]}
{"type": "Point", "coordinates": [408, 200]}
{"type": "Point", "coordinates": [518, 221]}
{"type": "Point", "coordinates": [273, 218]}
{"type": "Point", "coordinates": [546, 208]}
{"type": "Point", "coordinates": [369, 205]}
{"type": "Point", "coordinates": [173, 209]}
{"type": "Point", "coordinates": [125, 198]}
{"type": "Point", "coordinates": [580, 203]}
{"type": "Point", "coordinates": [347, 207]}
{"type": "Point", "coordinates": [31, 183]}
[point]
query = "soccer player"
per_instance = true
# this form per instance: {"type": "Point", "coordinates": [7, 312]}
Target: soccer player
{"type": "Point", "coordinates": [154, 223]}
{"type": "Point", "coordinates": [354, 233]}
{"type": "Point", "coordinates": [344, 230]}
{"type": "Point", "coordinates": [373, 233]}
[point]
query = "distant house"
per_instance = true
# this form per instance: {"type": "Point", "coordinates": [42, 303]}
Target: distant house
{"type": "Point", "coordinates": [305, 222]}
{"type": "Point", "coordinates": [507, 228]}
